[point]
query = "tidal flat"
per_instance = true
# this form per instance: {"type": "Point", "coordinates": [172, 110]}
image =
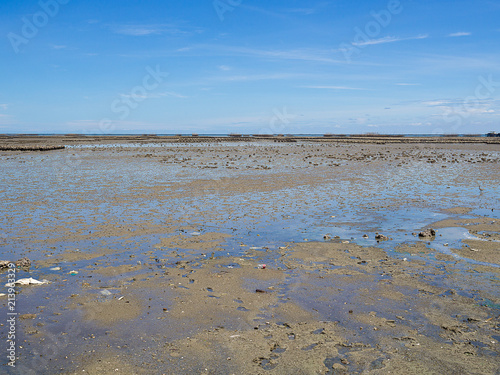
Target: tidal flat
{"type": "Point", "coordinates": [187, 255]}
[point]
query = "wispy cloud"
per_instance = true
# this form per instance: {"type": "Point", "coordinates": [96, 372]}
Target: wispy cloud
{"type": "Point", "coordinates": [484, 106]}
{"type": "Point", "coordinates": [256, 77]}
{"type": "Point", "coordinates": [328, 87]}
{"type": "Point", "coordinates": [152, 29]}
{"type": "Point", "coordinates": [304, 11]}
{"type": "Point", "coordinates": [224, 67]}
{"type": "Point", "coordinates": [55, 46]}
{"type": "Point", "coordinates": [310, 10]}
{"type": "Point", "coordinates": [388, 39]}
{"type": "Point", "coordinates": [461, 33]}
{"type": "Point", "coordinates": [138, 30]}
{"type": "Point", "coordinates": [452, 102]}
{"type": "Point", "coordinates": [173, 95]}
{"type": "Point", "coordinates": [315, 55]}
{"type": "Point", "coordinates": [156, 95]}
{"type": "Point", "coordinates": [441, 102]}
{"type": "Point", "coordinates": [264, 11]}
{"type": "Point", "coordinates": [4, 107]}
{"type": "Point", "coordinates": [408, 84]}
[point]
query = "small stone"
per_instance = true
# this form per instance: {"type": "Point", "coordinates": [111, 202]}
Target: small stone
{"type": "Point", "coordinates": [427, 233]}
{"type": "Point", "coordinates": [381, 237]}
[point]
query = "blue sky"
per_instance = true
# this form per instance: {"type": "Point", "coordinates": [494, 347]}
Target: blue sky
{"type": "Point", "coordinates": [242, 66]}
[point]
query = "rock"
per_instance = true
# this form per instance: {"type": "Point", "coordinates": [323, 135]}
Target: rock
{"type": "Point", "coordinates": [427, 233]}
{"type": "Point", "coordinates": [27, 316]}
{"type": "Point", "coordinates": [381, 237]}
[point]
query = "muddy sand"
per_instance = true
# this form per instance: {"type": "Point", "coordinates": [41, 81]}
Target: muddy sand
{"type": "Point", "coordinates": [189, 256]}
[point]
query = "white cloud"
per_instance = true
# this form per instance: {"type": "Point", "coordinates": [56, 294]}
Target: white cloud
{"type": "Point", "coordinates": [55, 46]}
{"type": "Point", "coordinates": [457, 102]}
{"type": "Point", "coordinates": [4, 107]}
{"type": "Point", "coordinates": [328, 87]}
{"type": "Point", "coordinates": [408, 84]}
{"type": "Point", "coordinates": [138, 30]}
{"type": "Point", "coordinates": [388, 39]}
{"type": "Point", "coordinates": [224, 67]}
{"type": "Point", "coordinates": [304, 11]}
{"type": "Point", "coordinates": [441, 102]}
{"type": "Point", "coordinates": [156, 95]}
{"type": "Point", "coordinates": [255, 77]}
{"type": "Point", "coordinates": [174, 95]}
{"type": "Point", "coordinates": [152, 29]}
{"type": "Point", "coordinates": [316, 55]}
{"type": "Point", "coordinates": [461, 33]}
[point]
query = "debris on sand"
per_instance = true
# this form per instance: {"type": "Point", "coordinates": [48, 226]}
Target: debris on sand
{"type": "Point", "coordinates": [27, 281]}
{"type": "Point", "coordinates": [21, 263]}
{"type": "Point", "coordinates": [427, 233]}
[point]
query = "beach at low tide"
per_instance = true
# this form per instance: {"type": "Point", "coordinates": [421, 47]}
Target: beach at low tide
{"type": "Point", "coordinates": [258, 255]}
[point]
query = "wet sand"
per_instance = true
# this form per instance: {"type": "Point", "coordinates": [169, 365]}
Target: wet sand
{"type": "Point", "coordinates": [254, 256]}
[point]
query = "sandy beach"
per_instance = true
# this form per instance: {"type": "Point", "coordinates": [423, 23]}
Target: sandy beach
{"type": "Point", "coordinates": [253, 255]}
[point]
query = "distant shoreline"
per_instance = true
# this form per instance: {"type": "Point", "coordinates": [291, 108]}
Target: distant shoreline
{"type": "Point", "coordinates": [31, 142]}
